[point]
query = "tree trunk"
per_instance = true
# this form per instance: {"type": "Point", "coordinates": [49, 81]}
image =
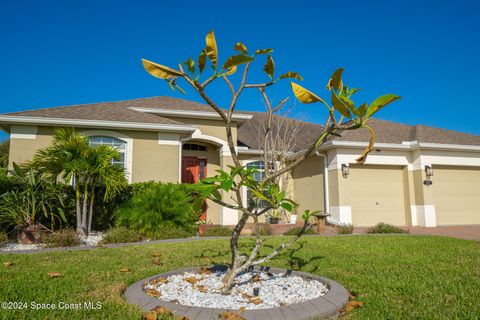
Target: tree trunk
{"type": "Point", "coordinates": [85, 210]}
{"type": "Point", "coordinates": [90, 214]}
{"type": "Point", "coordinates": [78, 197]}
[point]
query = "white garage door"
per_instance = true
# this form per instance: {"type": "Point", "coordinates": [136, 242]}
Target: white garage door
{"type": "Point", "coordinates": [457, 195]}
{"type": "Point", "coordinates": [377, 195]}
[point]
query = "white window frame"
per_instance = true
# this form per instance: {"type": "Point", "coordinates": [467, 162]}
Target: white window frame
{"type": "Point", "coordinates": [128, 147]}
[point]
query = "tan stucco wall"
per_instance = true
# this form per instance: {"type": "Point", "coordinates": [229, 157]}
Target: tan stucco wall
{"type": "Point", "coordinates": [150, 160]}
{"type": "Point", "coordinates": [215, 128]}
{"type": "Point", "coordinates": [308, 182]}
{"type": "Point", "coordinates": [23, 150]}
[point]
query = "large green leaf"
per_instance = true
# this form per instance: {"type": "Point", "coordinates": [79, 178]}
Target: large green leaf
{"type": "Point", "coordinates": [362, 110]}
{"type": "Point", "coordinates": [335, 81]}
{"type": "Point", "coordinates": [236, 60]}
{"type": "Point", "coordinates": [305, 96]}
{"type": "Point", "coordinates": [160, 71]}
{"type": "Point", "coordinates": [211, 49]}
{"type": "Point", "coordinates": [241, 48]}
{"type": "Point", "coordinates": [340, 107]}
{"type": "Point", "coordinates": [269, 67]}
{"type": "Point", "coordinates": [291, 75]}
{"type": "Point", "coordinates": [379, 103]}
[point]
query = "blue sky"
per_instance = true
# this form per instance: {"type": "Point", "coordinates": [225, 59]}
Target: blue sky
{"type": "Point", "coordinates": [70, 52]}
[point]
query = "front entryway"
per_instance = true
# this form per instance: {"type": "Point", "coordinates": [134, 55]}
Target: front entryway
{"type": "Point", "coordinates": [193, 170]}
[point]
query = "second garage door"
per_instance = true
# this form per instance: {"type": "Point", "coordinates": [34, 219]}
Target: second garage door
{"type": "Point", "coordinates": [457, 195]}
{"type": "Point", "coordinates": [377, 195]}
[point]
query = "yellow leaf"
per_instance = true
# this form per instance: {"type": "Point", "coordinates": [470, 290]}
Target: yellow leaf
{"type": "Point", "coordinates": [269, 67]}
{"type": "Point", "coordinates": [125, 269]}
{"type": "Point", "coordinates": [335, 81]}
{"type": "Point", "coordinates": [54, 274]}
{"type": "Point", "coordinates": [157, 261]}
{"type": "Point", "coordinates": [156, 254]}
{"type": "Point", "coordinates": [363, 157]}
{"type": "Point", "coordinates": [152, 293]}
{"type": "Point", "coordinates": [8, 263]}
{"type": "Point", "coordinates": [211, 48]}
{"type": "Point", "coordinates": [292, 75]}
{"type": "Point", "coordinates": [241, 47]}
{"type": "Point", "coordinates": [231, 71]}
{"type": "Point", "coordinates": [160, 71]}
{"type": "Point", "coordinates": [150, 315]}
{"type": "Point", "coordinates": [202, 60]}
{"type": "Point", "coordinates": [305, 96]}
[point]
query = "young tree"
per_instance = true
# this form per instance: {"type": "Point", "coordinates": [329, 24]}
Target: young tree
{"type": "Point", "coordinates": [239, 177]}
{"type": "Point", "coordinates": [71, 157]}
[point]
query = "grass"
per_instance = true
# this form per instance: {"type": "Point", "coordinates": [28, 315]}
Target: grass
{"type": "Point", "coordinates": [397, 277]}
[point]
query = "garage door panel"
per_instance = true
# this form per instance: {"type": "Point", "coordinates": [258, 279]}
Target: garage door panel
{"type": "Point", "coordinates": [457, 195]}
{"type": "Point", "coordinates": [377, 195]}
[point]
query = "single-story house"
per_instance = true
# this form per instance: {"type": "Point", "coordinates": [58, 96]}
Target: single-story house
{"type": "Point", "coordinates": [416, 175]}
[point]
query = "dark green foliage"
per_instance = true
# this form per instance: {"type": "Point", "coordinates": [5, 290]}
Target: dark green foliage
{"type": "Point", "coordinates": [4, 153]}
{"type": "Point", "coordinates": [217, 231]}
{"type": "Point", "coordinates": [296, 230]}
{"type": "Point", "coordinates": [3, 237]}
{"type": "Point", "coordinates": [345, 228]}
{"type": "Point", "coordinates": [171, 231]}
{"type": "Point", "coordinates": [63, 238]}
{"type": "Point", "coordinates": [122, 235]}
{"type": "Point", "coordinates": [386, 228]}
{"type": "Point", "coordinates": [153, 206]}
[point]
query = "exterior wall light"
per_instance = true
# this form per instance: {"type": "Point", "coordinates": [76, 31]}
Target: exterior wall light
{"type": "Point", "coordinates": [429, 174]}
{"type": "Point", "coordinates": [345, 170]}
{"type": "Point", "coordinates": [429, 171]}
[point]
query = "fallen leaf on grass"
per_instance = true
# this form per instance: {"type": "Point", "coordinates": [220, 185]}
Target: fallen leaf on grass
{"type": "Point", "coordinates": [152, 293]}
{"type": "Point", "coordinates": [125, 269]}
{"type": "Point", "coordinates": [150, 316]}
{"type": "Point", "coordinates": [156, 254]}
{"type": "Point", "coordinates": [228, 315]}
{"type": "Point", "coordinates": [157, 261]}
{"type": "Point", "coordinates": [352, 305]}
{"type": "Point", "coordinates": [54, 274]}
{"type": "Point", "coordinates": [8, 263]}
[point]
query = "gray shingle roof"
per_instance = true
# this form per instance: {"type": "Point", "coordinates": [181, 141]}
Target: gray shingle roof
{"type": "Point", "coordinates": [386, 131]}
{"type": "Point", "coordinates": [107, 111]}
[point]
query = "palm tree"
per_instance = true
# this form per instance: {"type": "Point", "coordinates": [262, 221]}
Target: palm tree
{"type": "Point", "coordinates": [71, 158]}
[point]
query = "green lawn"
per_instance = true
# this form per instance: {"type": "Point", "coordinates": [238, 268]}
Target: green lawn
{"type": "Point", "coordinates": [397, 277]}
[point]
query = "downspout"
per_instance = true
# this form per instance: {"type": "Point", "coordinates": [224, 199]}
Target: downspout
{"type": "Point", "coordinates": [325, 186]}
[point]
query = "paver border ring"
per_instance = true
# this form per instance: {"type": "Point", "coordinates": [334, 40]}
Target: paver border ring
{"type": "Point", "coordinates": [327, 306]}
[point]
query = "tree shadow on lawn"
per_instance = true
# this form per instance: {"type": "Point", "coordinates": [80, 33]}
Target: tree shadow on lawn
{"type": "Point", "coordinates": [288, 257]}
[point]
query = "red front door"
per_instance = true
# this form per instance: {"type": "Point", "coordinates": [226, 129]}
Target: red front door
{"type": "Point", "coordinates": [193, 170]}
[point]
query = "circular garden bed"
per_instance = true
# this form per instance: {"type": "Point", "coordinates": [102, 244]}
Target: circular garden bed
{"type": "Point", "coordinates": [261, 293]}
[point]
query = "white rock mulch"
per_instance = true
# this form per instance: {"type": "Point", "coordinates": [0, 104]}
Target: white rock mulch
{"type": "Point", "coordinates": [93, 239]}
{"type": "Point", "coordinates": [204, 290]}
{"type": "Point", "coordinates": [14, 246]}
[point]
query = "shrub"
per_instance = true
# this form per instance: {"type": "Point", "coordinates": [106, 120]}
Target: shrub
{"type": "Point", "coordinates": [3, 237]}
{"type": "Point", "coordinates": [217, 231]}
{"type": "Point", "coordinates": [171, 231]}
{"type": "Point", "coordinates": [386, 228]}
{"type": "Point", "coordinates": [121, 235]}
{"type": "Point", "coordinates": [294, 231]}
{"type": "Point", "coordinates": [345, 228]}
{"type": "Point", "coordinates": [63, 238]}
{"type": "Point", "coordinates": [156, 205]}
{"type": "Point", "coordinates": [264, 230]}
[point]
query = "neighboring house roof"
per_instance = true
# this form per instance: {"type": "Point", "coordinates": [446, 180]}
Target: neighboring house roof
{"type": "Point", "coordinates": [305, 132]}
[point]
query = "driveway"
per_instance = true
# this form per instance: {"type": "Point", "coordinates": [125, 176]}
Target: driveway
{"type": "Point", "coordinates": [463, 232]}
